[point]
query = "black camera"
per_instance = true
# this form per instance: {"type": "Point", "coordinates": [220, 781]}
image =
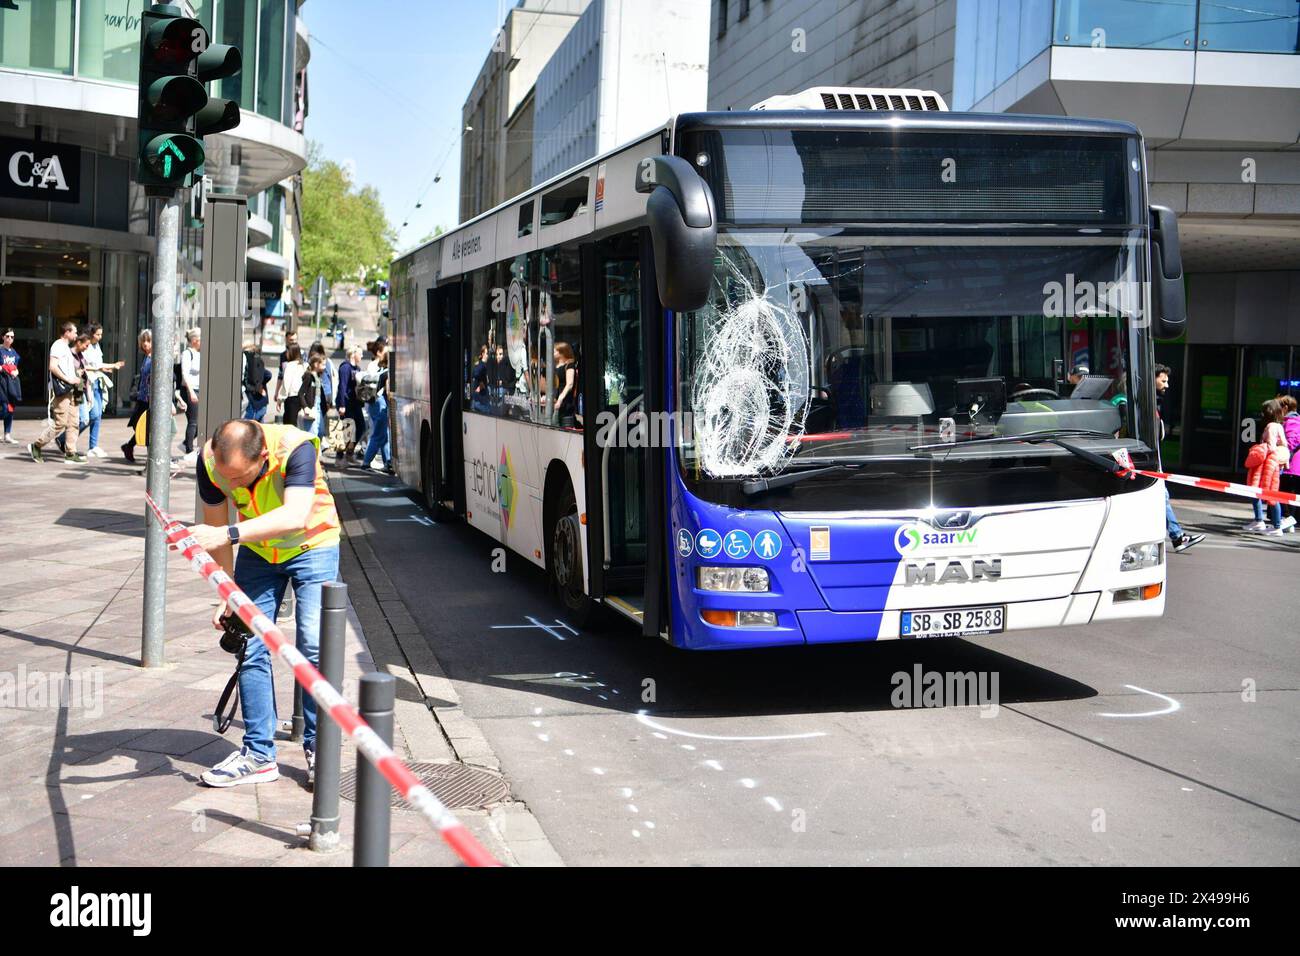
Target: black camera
{"type": "Point", "coordinates": [234, 633]}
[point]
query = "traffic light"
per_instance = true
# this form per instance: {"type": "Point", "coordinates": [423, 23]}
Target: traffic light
{"type": "Point", "coordinates": [175, 111]}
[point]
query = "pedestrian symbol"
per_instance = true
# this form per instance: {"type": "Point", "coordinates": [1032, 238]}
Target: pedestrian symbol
{"type": "Point", "coordinates": [738, 544]}
{"type": "Point", "coordinates": [767, 545]}
{"type": "Point", "coordinates": [708, 543]}
{"type": "Point", "coordinates": [685, 543]}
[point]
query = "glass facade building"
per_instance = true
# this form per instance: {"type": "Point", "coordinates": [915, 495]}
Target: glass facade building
{"type": "Point", "coordinates": [90, 260]}
{"type": "Point", "coordinates": [995, 38]}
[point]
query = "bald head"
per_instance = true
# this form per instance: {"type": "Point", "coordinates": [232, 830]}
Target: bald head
{"type": "Point", "coordinates": [237, 444]}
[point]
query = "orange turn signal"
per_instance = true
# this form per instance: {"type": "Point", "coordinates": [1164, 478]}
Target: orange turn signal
{"type": "Point", "coordinates": [1151, 591]}
{"type": "Point", "coordinates": [719, 618]}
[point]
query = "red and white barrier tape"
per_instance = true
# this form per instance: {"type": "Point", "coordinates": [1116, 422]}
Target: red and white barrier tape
{"type": "Point", "coordinates": [1226, 487]}
{"type": "Point", "coordinates": [330, 700]}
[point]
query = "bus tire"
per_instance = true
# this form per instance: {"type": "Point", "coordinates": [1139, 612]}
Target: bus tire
{"type": "Point", "coordinates": [564, 562]}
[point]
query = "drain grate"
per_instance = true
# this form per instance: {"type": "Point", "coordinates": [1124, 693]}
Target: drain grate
{"type": "Point", "coordinates": [458, 787]}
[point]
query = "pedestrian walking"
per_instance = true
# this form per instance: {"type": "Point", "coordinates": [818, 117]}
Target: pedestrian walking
{"type": "Point", "coordinates": [292, 369]}
{"type": "Point", "coordinates": [191, 369]}
{"type": "Point", "coordinates": [99, 385]}
{"type": "Point", "coordinates": [1290, 477]}
{"type": "Point", "coordinates": [374, 391]}
{"type": "Point", "coordinates": [1178, 538]}
{"type": "Point", "coordinates": [140, 394]}
{"type": "Point", "coordinates": [256, 378]}
{"type": "Point", "coordinates": [1264, 464]}
{"type": "Point", "coordinates": [65, 392]}
{"type": "Point", "coordinates": [349, 404]}
{"type": "Point", "coordinates": [328, 378]}
{"type": "Point", "coordinates": [288, 536]}
{"type": "Point", "coordinates": [311, 395]}
{"type": "Point", "coordinates": [11, 386]}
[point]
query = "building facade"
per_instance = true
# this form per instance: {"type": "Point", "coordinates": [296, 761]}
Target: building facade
{"type": "Point", "coordinates": [1214, 88]}
{"type": "Point", "coordinates": [81, 248]}
{"type": "Point", "coordinates": [497, 134]}
{"type": "Point", "coordinates": [624, 68]}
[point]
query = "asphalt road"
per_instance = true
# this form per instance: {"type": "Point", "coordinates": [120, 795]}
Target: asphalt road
{"type": "Point", "coordinates": [1118, 744]}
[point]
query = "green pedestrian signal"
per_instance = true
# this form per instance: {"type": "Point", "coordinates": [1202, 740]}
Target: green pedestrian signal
{"type": "Point", "coordinates": [175, 110]}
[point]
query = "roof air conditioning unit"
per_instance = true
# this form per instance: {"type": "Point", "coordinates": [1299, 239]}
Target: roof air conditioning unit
{"type": "Point", "coordinates": [855, 98]}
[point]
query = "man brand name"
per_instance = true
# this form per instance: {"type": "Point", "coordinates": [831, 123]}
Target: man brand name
{"type": "Point", "coordinates": [954, 572]}
{"type": "Point", "coordinates": [466, 247]}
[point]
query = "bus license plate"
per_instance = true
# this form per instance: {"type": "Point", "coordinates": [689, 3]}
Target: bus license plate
{"type": "Point", "coordinates": [953, 622]}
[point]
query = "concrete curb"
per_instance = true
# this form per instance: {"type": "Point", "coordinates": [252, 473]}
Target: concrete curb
{"type": "Point", "coordinates": [397, 645]}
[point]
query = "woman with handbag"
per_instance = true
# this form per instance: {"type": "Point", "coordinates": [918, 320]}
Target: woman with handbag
{"type": "Point", "coordinates": [140, 395]}
{"type": "Point", "coordinates": [1290, 479]}
{"type": "Point", "coordinates": [1264, 464]}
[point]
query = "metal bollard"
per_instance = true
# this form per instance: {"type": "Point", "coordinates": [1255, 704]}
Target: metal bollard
{"type": "Point", "coordinates": [325, 795]}
{"type": "Point", "coordinates": [298, 724]}
{"type": "Point", "coordinates": [373, 819]}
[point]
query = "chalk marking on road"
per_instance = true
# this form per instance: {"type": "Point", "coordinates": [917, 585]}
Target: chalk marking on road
{"type": "Point", "coordinates": [645, 719]}
{"type": "Point", "coordinates": [418, 519]}
{"type": "Point", "coordinates": [534, 623]}
{"type": "Point", "coordinates": [626, 791]}
{"type": "Point", "coordinates": [568, 753]}
{"type": "Point", "coordinates": [748, 783]}
{"type": "Point", "coordinates": [773, 802]}
{"type": "Point", "coordinates": [598, 771]}
{"type": "Point", "coordinates": [536, 723]}
{"type": "Point", "coordinates": [648, 824]}
{"type": "Point", "coordinates": [631, 808]}
{"type": "Point", "coordinates": [544, 738]}
{"type": "Point", "coordinates": [637, 834]}
{"type": "Point", "coordinates": [687, 746]}
{"type": "Point", "coordinates": [712, 764]}
{"type": "Point", "coordinates": [1173, 704]}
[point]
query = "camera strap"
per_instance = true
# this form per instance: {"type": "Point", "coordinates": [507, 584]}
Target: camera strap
{"type": "Point", "coordinates": [221, 718]}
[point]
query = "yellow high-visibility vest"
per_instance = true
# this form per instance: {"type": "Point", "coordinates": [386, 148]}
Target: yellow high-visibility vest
{"type": "Point", "coordinates": [267, 494]}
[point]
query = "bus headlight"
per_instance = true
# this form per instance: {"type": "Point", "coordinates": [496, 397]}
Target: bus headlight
{"type": "Point", "coordinates": [731, 579]}
{"type": "Point", "coordinates": [1137, 556]}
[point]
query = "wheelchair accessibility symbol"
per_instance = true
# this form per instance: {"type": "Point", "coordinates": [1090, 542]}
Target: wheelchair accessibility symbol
{"type": "Point", "coordinates": [685, 542]}
{"type": "Point", "coordinates": [738, 544]}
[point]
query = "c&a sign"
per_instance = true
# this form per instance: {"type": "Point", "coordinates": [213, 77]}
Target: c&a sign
{"type": "Point", "coordinates": [48, 172]}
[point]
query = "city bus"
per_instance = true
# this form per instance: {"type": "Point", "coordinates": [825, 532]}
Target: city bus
{"type": "Point", "coordinates": [845, 366]}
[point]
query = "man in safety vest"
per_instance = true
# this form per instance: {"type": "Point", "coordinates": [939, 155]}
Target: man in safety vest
{"type": "Point", "coordinates": [288, 533]}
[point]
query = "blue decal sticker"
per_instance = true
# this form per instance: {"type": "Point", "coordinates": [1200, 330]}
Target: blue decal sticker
{"type": "Point", "coordinates": [767, 545]}
{"type": "Point", "coordinates": [708, 543]}
{"type": "Point", "coordinates": [685, 543]}
{"type": "Point", "coordinates": [738, 544]}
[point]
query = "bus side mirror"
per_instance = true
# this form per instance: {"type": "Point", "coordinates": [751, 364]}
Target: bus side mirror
{"type": "Point", "coordinates": [683, 230]}
{"type": "Point", "coordinates": [1168, 303]}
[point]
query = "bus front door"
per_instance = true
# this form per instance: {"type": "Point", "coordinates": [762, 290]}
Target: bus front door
{"type": "Point", "coordinates": [618, 436]}
{"type": "Point", "coordinates": [443, 471]}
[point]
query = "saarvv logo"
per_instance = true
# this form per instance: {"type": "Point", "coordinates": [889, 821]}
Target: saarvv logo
{"type": "Point", "coordinates": [911, 538]}
{"type": "Point", "coordinates": [75, 908]}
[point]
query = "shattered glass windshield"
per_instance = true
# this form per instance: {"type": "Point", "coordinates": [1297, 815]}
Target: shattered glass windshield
{"type": "Point", "coordinates": [833, 344]}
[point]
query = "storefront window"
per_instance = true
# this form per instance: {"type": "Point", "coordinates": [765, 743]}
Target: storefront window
{"type": "Point", "coordinates": [108, 37]}
{"type": "Point", "coordinates": [270, 60]}
{"type": "Point", "coordinates": [238, 27]}
{"type": "Point", "coordinates": [37, 36]}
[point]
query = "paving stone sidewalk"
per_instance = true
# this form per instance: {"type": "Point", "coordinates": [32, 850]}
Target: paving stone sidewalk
{"type": "Point", "coordinates": [106, 773]}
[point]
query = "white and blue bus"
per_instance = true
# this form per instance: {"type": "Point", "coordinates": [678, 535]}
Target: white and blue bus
{"type": "Point", "coordinates": [843, 367]}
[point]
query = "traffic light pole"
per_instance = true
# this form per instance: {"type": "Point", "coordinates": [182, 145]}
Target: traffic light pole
{"type": "Point", "coordinates": [158, 470]}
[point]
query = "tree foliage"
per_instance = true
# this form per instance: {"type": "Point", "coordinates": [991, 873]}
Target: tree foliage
{"type": "Point", "coordinates": [345, 233]}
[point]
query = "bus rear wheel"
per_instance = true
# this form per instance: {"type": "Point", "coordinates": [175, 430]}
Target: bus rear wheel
{"type": "Point", "coordinates": [565, 568]}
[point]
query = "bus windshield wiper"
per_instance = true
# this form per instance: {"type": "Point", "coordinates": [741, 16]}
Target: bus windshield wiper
{"type": "Point", "coordinates": [1052, 436]}
{"type": "Point", "coordinates": [797, 471]}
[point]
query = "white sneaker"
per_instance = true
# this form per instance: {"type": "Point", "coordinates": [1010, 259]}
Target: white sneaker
{"type": "Point", "coordinates": [1255, 526]}
{"type": "Point", "coordinates": [240, 768]}
{"type": "Point", "coordinates": [1275, 532]}
{"type": "Point", "coordinates": [1288, 523]}
{"type": "Point", "coordinates": [9, 440]}
{"type": "Point", "coordinates": [97, 452]}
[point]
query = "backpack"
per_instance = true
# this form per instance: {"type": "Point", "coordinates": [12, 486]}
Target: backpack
{"type": "Point", "coordinates": [368, 387]}
{"type": "Point", "coordinates": [254, 373]}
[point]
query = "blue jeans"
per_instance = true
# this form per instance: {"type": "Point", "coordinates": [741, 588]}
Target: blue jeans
{"type": "Point", "coordinates": [92, 413]}
{"type": "Point", "coordinates": [1174, 529]}
{"type": "Point", "coordinates": [378, 432]}
{"type": "Point", "coordinates": [256, 411]}
{"type": "Point", "coordinates": [265, 584]}
{"type": "Point", "coordinates": [1274, 512]}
